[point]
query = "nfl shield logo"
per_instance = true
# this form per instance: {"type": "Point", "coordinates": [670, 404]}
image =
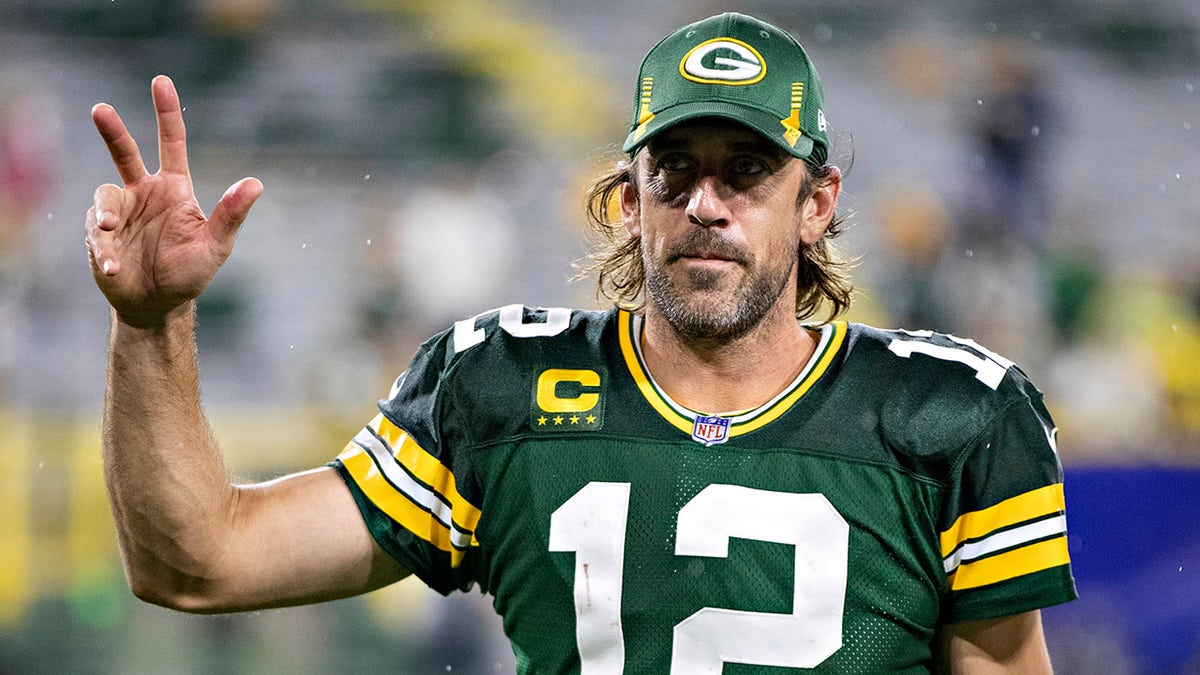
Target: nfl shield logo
{"type": "Point", "coordinates": [710, 430]}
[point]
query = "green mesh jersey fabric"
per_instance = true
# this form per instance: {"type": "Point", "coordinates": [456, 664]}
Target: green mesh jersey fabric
{"type": "Point", "coordinates": [902, 481]}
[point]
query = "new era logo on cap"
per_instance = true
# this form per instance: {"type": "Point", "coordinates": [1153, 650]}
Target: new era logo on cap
{"type": "Point", "coordinates": [735, 67]}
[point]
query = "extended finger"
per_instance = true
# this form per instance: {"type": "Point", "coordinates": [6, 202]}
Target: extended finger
{"type": "Point", "coordinates": [121, 146]}
{"type": "Point", "coordinates": [172, 138]}
{"type": "Point", "coordinates": [108, 201]}
{"type": "Point", "coordinates": [229, 213]}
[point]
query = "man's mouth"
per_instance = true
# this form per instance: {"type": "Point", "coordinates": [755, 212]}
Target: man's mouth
{"type": "Point", "coordinates": [702, 247]}
{"type": "Point", "coordinates": [707, 255]}
{"type": "Point", "coordinates": [705, 258]}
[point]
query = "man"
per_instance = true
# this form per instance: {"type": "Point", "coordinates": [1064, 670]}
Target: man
{"type": "Point", "coordinates": [705, 480]}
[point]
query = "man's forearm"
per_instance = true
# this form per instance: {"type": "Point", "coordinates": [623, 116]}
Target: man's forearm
{"type": "Point", "coordinates": [169, 489]}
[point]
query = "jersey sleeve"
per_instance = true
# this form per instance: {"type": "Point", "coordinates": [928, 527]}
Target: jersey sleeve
{"type": "Point", "coordinates": [1003, 527]}
{"type": "Point", "coordinates": [415, 493]}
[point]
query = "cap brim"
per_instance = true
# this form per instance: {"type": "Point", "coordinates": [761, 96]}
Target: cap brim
{"type": "Point", "coordinates": [763, 122]}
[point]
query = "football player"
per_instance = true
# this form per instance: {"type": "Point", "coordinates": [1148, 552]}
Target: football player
{"type": "Point", "coordinates": [715, 471]}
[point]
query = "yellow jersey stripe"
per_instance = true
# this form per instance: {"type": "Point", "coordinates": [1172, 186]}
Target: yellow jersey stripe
{"type": "Point", "coordinates": [1033, 504]}
{"type": "Point", "coordinates": [783, 405]}
{"type": "Point", "coordinates": [1004, 540]}
{"type": "Point", "coordinates": [1026, 560]}
{"type": "Point", "coordinates": [426, 468]}
{"type": "Point", "coordinates": [395, 504]}
{"type": "Point", "coordinates": [645, 385]}
{"type": "Point", "coordinates": [417, 492]}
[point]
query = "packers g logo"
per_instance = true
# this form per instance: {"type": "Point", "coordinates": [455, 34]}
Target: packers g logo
{"type": "Point", "coordinates": [568, 400]}
{"type": "Point", "coordinates": [723, 61]}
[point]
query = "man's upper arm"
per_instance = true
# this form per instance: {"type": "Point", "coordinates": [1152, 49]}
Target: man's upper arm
{"type": "Point", "coordinates": [294, 540]}
{"type": "Point", "coordinates": [1012, 644]}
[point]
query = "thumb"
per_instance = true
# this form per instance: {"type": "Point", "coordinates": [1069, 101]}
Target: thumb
{"type": "Point", "coordinates": [234, 205]}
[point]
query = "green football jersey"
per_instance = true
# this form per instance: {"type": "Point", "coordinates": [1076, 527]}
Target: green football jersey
{"type": "Point", "coordinates": [902, 481]}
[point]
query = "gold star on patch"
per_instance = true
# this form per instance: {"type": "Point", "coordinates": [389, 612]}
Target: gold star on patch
{"type": "Point", "coordinates": [542, 421]}
{"type": "Point", "coordinates": [591, 419]}
{"type": "Point", "coordinates": [558, 419]}
{"type": "Point", "coordinates": [574, 419]}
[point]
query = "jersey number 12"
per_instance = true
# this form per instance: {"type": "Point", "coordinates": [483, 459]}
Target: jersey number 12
{"type": "Point", "coordinates": [592, 524]}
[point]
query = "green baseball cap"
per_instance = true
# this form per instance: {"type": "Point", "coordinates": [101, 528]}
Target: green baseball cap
{"type": "Point", "coordinates": [735, 67]}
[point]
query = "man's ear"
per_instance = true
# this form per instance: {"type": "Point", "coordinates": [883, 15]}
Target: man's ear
{"type": "Point", "coordinates": [817, 211]}
{"type": "Point", "coordinates": [630, 209]}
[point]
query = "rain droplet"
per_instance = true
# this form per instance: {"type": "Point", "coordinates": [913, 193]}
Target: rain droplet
{"type": "Point", "coordinates": [303, 245]}
{"type": "Point", "coordinates": [1035, 131]}
{"type": "Point", "coordinates": [1176, 176]}
{"type": "Point", "coordinates": [1187, 125]}
{"type": "Point", "coordinates": [1036, 35]}
{"type": "Point", "coordinates": [369, 241]}
{"type": "Point", "coordinates": [991, 26]}
{"type": "Point", "coordinates": [1188, 87]}
{"type": "Point", "coordinates": [49, 216]}
{"type": "Point", "coordinates": [978, 101]}
{"type": "Point", "coordinates": [970, 253]}
{"type": "Point", "coordinates": [367, 177]}
{"type": "Point", "coordinates": [291, 346]}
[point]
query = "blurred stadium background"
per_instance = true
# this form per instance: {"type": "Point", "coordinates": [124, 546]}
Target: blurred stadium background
{"type": "Point", "coordinates": [1025, 173]}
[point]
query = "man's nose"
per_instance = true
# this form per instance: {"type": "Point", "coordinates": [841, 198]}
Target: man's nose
{"type": "Point", "coordinates": [706, 206]}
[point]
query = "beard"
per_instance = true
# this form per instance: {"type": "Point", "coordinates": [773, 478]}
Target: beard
{"type": "Point", "coordinates": [693, 302]}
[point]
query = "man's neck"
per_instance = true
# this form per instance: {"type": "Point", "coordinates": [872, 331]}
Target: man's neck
{"type": "Point", "coordinates": [725, 376]}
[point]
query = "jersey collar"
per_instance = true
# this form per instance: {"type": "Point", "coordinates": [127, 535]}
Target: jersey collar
{"type": "Point", "coordinates": [630, 331]}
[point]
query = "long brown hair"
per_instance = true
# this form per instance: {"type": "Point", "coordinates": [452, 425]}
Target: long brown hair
{"type": "Point", "coordinates": [823, 273]}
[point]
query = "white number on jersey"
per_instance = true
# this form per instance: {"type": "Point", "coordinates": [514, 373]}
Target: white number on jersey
{"type": "Point", "coordinates": [989, 366]}
{"type": "Point", "coordinates": [592, 524]}
{"type": "Point", "coordinates": [466, 335]}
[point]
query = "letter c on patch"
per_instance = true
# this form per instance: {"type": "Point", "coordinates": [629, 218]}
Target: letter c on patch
{"type": "Point", "coordinates": [549, 400]}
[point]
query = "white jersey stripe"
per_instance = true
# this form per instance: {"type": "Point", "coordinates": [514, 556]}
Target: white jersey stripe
{"type": "Point", "coordinates": [1005, 540]}
{"type": "Point", "coordinates": [410, 488]}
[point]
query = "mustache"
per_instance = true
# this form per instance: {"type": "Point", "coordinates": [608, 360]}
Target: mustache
{"type": "Point", "coordinates": [708, 244]}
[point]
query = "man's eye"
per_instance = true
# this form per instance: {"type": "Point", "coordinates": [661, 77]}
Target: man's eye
{"type": "Point", "coordinates": [674, 163]}
{"type": "Point", "coordinates": [747, 166]}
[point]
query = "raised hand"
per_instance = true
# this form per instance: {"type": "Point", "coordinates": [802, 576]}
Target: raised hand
{"type": "Point", "coordinates": [151, 248]}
